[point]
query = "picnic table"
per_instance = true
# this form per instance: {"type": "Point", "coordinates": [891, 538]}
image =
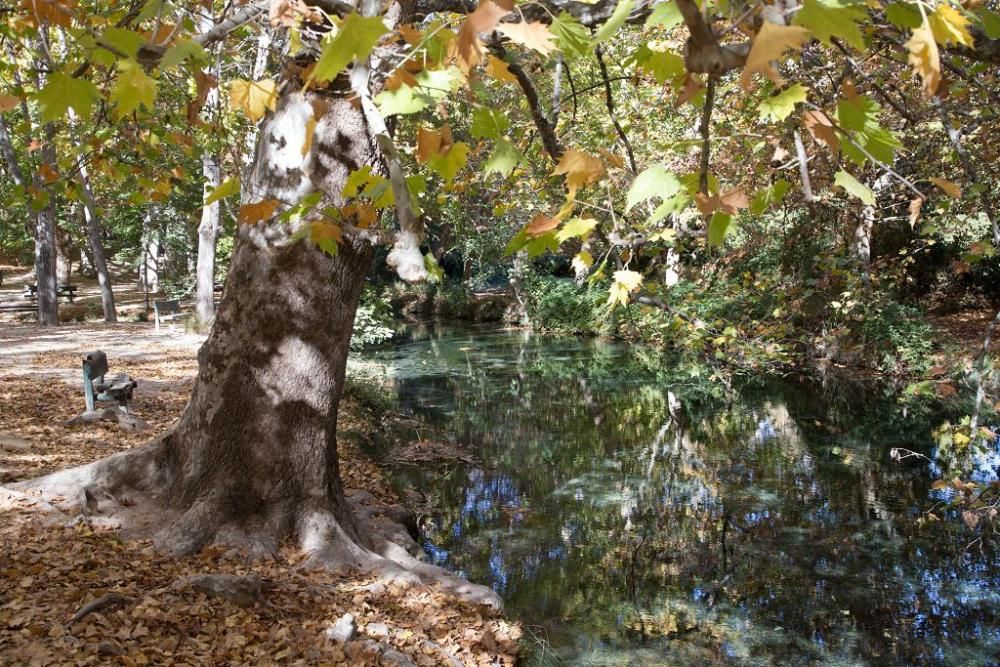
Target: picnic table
{"type": "Point", "coordinates": [68, 291]}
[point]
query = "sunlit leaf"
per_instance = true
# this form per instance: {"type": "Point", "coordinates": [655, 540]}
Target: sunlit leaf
{"type": "Point", "coordinates": [779, 107]}
{"type": "Point", "coordinates": [133, 88]}
{"type": "Point", "coordinates": [503, 160]}
{"type": "Point", "coordinates": [354, 40]}
{"type": "Point", "coordinates": [614, 22]}
{"type": "Point", "coordinates": [624, 283]}
{"type": "Point", "coordinates": [855, 187]}
{"type": "Point", "coordinates": [771, 42]}
{"type": "Point", "coordinates": [63, 91]}
{"type": "Point", "coordinates": [833, 18]}
{"type": "Point", "coordinates": [653, 182]}
{"type": "Point", "coordinates": [254, 98]}
{"type": "Point", "coordinates": [225, 189]}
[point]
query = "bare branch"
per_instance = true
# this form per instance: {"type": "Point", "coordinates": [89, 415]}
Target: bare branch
{"type": "Point", "coordinates": [803, 160]}
{"type": "Point", "coordinates": [609, 102]}
{"type": "Point", "coordinates": [545, 128]}
{"type": "Point", "coordinates": [706, 135]}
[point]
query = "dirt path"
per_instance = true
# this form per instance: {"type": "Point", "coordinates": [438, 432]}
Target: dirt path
{"type": "Point", "coordinates": [49, 571]}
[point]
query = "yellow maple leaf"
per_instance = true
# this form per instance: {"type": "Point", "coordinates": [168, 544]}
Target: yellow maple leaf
{"type": "Point", "coordinates": [770, 44]}
{"type": "Point", "coordinates": [8, 102]}
{"type": "Point", "coordinates": [254, 98]}
{"type": "Point", "coordinates": [498, 70]}
{"type": "Point", "coordinates": [432, 142]}
{"type": "Point", "coordinates": [483, 19]}
{"type": "Point", "coordinates": [950, 27]}
{"type": "Point", "coordinates": [953, 190]}
{"type": "Point", "coordinates": [307, 141]}
{"type": "Point", "coordinates": [322, 230]}
{"type": "Point", "coordinates": [611, 158]}
{"type": "Point", "coordinates": [625, 282]}
{"type": "Point", "coordinates": [925, 58]}
{"type": "Point", "coordinates": [253, 213]}
{"type": "Point", "coordinates": [580, 169]}
{"type": "Point", "coordinates": [540, 224]}
{"type": "Point", "coordinates": [534, 35]}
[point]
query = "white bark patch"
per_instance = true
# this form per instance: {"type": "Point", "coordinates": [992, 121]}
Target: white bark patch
{"type": "Point", "coordinates": [287, 168]}
{"type": "Point", "coordinates": [407, 259]}
{"type": "Point", "coordinates": [295, 374]}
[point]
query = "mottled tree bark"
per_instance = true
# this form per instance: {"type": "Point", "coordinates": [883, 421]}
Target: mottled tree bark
{"type": "Point", "coordinates": [253, 459]}
{"type": "Point", "coordinates": [45, 265]}
{"type": "Point", "coordinates": [208, 236]}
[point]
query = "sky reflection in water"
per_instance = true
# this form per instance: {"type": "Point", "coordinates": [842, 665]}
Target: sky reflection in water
{"type": "Point", "coordinates": [627, 517]}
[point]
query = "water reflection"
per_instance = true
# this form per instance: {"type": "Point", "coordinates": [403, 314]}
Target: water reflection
{"type": "Point", "coordinates": [630, 516]}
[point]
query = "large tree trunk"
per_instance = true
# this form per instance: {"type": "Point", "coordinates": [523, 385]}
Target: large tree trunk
{"type": "Point", "coordinates": [253, 459]}
{"type": "Point", "coordinates": [208, 235]}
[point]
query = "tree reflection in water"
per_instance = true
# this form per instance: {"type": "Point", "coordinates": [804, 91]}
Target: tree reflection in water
{"type": "Point", "coordinates": [632, 516]}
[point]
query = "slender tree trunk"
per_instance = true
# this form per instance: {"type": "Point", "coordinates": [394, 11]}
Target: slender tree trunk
{"type": "Point", "coordinates": [97, 256]}
{"type": "Point", "coordinates": [16, 174]}
{"type": "Point", "coordinates": [208, 235]}
{"type": "Point", "coordinates": [45, 266]}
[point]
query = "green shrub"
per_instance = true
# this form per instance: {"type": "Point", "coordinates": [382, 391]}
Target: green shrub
{"type": "Point", "coordinates": [373, 320]}
{"type": "Point", "coordinates": [897, 338]}
{"type": "Point", "coordinates": [562, 305]}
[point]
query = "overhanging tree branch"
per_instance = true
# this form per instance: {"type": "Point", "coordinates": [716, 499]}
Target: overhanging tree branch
{"type": "Point", "coordinates": [545, 128]}
{"type": "Point", "coordinates": [609, 102]}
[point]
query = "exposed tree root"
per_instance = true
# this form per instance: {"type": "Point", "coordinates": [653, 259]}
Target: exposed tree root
{"type": "Point", "coordinates": [377, 543]}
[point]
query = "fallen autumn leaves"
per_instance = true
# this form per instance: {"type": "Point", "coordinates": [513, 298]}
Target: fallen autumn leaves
{"type": "Point", "coordinates": [49, 572]}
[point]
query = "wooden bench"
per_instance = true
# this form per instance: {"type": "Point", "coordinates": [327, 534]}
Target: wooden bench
{"type": "Point", "coordinates": [17, 307]}
{"type": "Point", "coordinates": [96, 388]}
{"type": "Point", "coordinates": [68, 291]}
{"type": "Point", "coordinates": [167, 311]}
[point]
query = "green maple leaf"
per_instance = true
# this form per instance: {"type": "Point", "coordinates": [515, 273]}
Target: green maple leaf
{"type": "Point", "coordinates": [571, 35]}
{"type": "Point", "coordinates": [653, 182]}
{"type": "Point", "coordinates": [488, 123]}
{"type": "Point", "coordinates": [123, 41]}
{"type": "Point", "coordinates": [449, 164]}
{"type": "Point", "coordinates": [62, 91]}
{"type": "Point", "coordinates": [854, 187]}
{"type": "Point", "coordinates": [772, 194]}
{"type": "Point", "coordinates": [833, 18]}
{"type": "Point", "coordinates": [132, 89]}
{"type": "Point", "coordinates": [615, 21]}
{"type": "Point", "coordinates": [432, 86]}
{"type": "Point", "coordinates": [990, 21]}
{"type": "Point", "coordinates": [859, 117]}
{"type": "Point", "coordinates": [356, 38]}
{"type": "Point", "coordinates": [229, 187]}
{"type": "Point", "coordinates": [667, 14]}
{"type": "Point", "coordinates": [663, 65]}
{"type": "Point", "coordinates": [503, 159]}
{"type": "Point", "coordinates": [576, 227]}
{"type": "Point", "coordinates": [903, 15]}
{"type": "Point", "coordinates": [719, 227]}
{"type": "Point", "coordinates": [181, 51]}
{"type": "Point", "coordinates": [779, 107]}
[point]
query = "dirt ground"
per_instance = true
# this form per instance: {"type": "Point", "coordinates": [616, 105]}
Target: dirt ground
{"type": "Point", "coordinates": [49, 570]}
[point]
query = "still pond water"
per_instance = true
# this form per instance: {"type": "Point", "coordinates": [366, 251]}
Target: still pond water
{"type": "Point", "coordinates": [629, 517]}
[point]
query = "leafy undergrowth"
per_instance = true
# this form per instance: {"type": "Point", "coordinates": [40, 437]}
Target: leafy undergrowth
{"type": "Point", "coordinates": [48, 572]}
